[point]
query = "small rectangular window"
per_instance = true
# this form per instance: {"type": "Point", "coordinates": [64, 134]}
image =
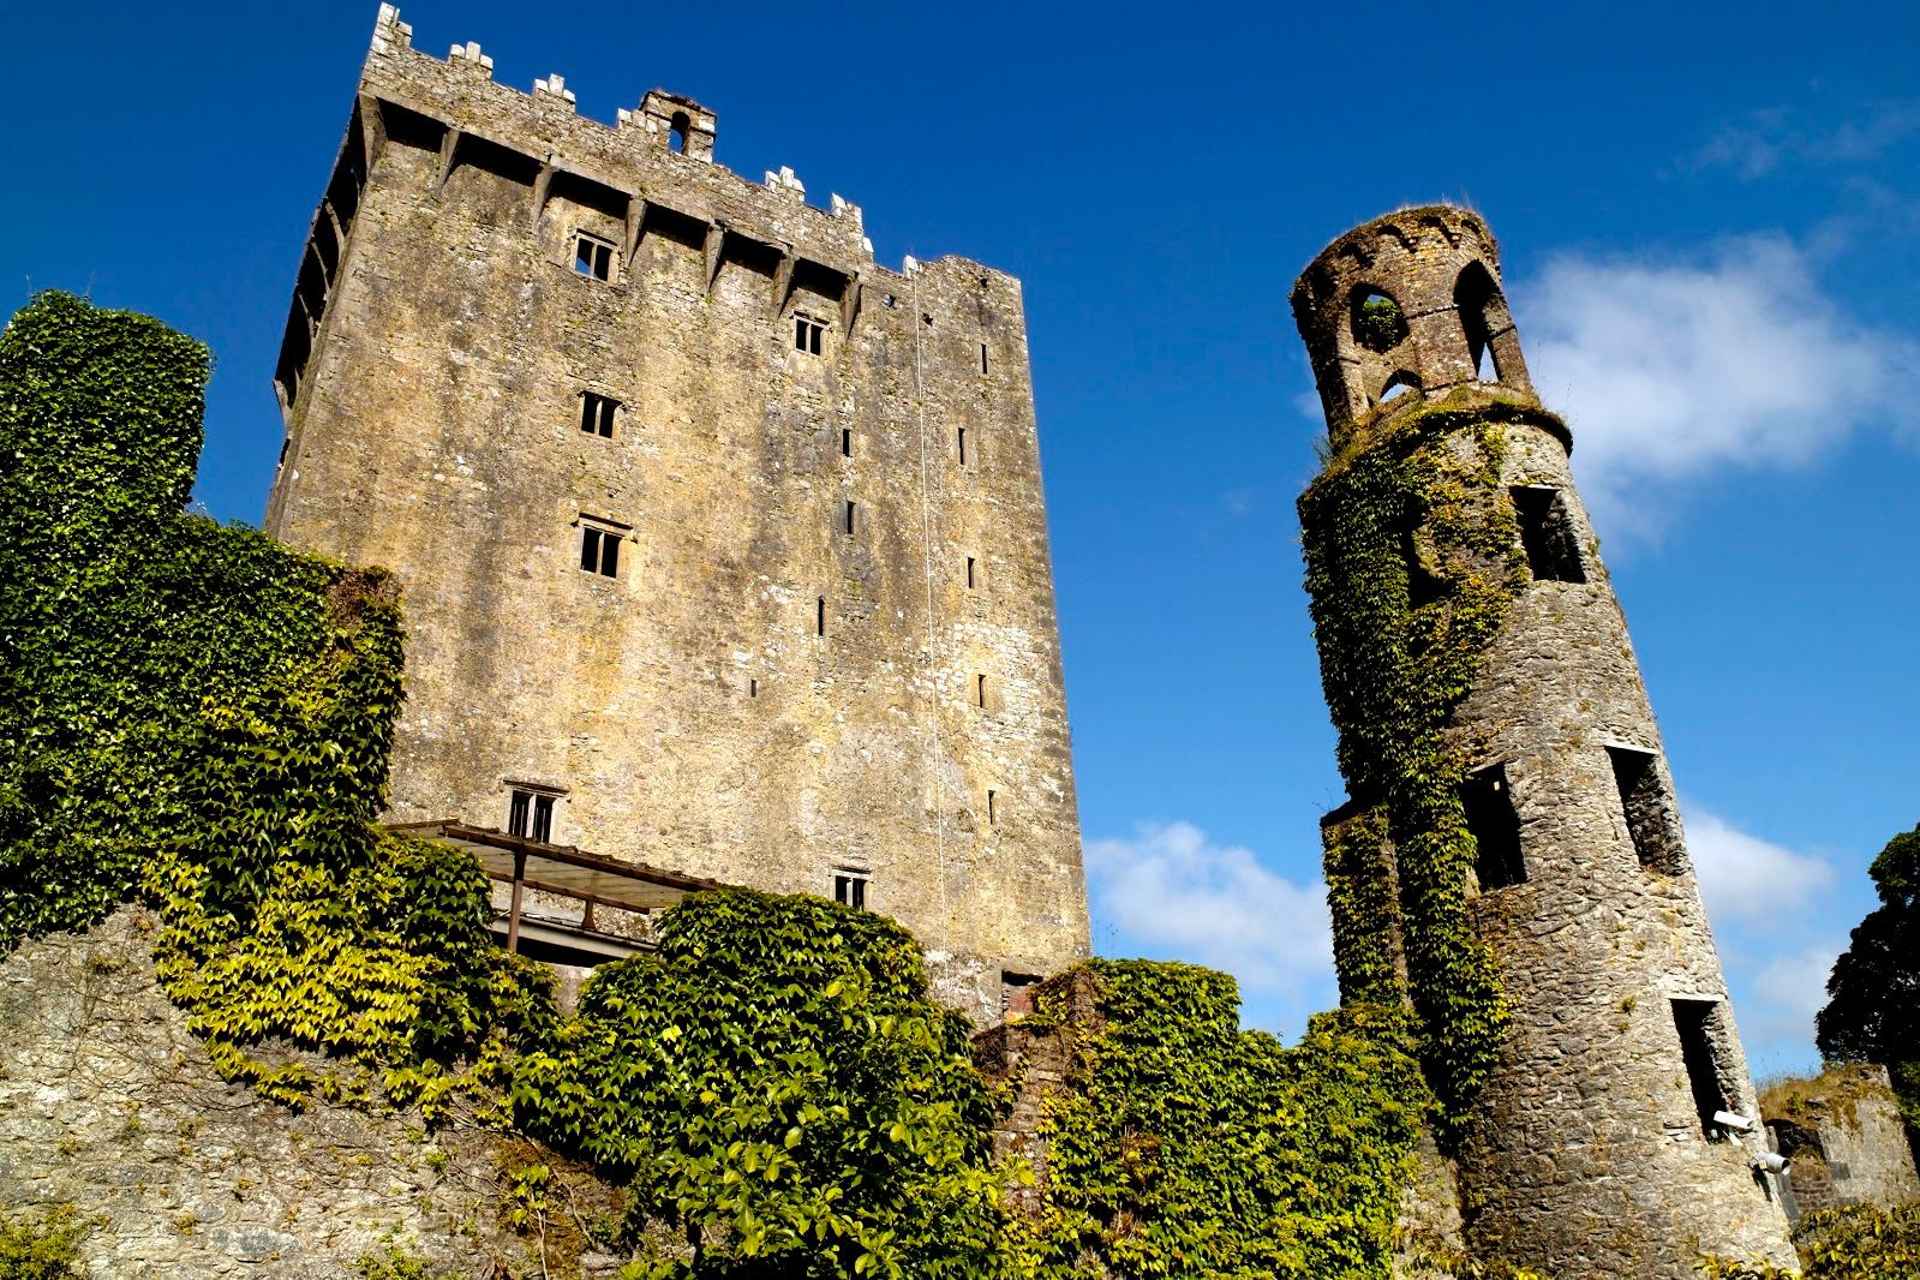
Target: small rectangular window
{"type": "Point", "coordinates": [820, 616]}
{"type": "Point", "coordinates": [1701, 1028]}
{"type": "Point", "coordinates": [972, 580]}
{"type": "Point", "coordinates": [849, 516]}
{"type": "Point", "coordinates": [530, 815]}
{"type": "Point", "coordinates": [592, 257]}
{"type": "Point", "coordinates": [1649, 810]}
{"type": "Point", "coordinates": [599, 551]}
{"type": "Point", "coordinates": [808, 334]}
{"type": "Point", "coordinates": [1553, 552]}
{"type": "Point", "coordinates": [543, 819]}
{"type": "Point", "coordinates": [980, 690]}
{"type": "Point", "coordinates": [963, 446]}
{"type": "Point", "coordinates": [517, 809]}
{"type": "Point", "coordinates": [993, 808]}
{"type": "Point", "coordinates": [846, 442]}
{"type": "Point", "coordinates": [596, 414]}
{"type": "Point", "coordinates": [1495, 827]}
{"type": "Point", "coordinates": [850, 889]}
{"type": "Point", "coordinates": [983, 357]}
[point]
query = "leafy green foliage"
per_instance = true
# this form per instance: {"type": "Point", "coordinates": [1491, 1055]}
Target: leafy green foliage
{"type": "Point", "coordinates": [42, 1246]}
{"type": "Point", "coordinates": [776, 1083]}
{"type": "Point", "coordinates": [1873, 994]}
{"type": "Point", "coordinates": [1853, 1242]}
{"type": "Point", "coordinates": [396, 1262]}
{"type": "Point", "coordinates": [1378, 323]}
{"type": "Point", "coordinates": [1187, 1147]}
{"type": "Point", "coordinates": [1395, 662]}
{"type": "Point", "coordinates": [197, 711]}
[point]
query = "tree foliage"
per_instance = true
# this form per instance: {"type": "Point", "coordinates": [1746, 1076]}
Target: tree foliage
{"type": "Point", "coordinates": [1873, 995]}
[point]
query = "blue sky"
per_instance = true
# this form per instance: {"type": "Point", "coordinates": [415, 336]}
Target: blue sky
{"type": "Point", "coordinates": [1711, 222]}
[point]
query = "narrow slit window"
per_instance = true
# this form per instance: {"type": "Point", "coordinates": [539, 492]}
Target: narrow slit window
{"type": "Point", "coordinates": [993, 808]}
{"type": "Point", "coordinates": [983, 357]}
{"type": "Point", "coordinates": [1702, 1047]}
{"type": "Point", "coordinates": [1553, 552]}
{"type": "Point", "coordinates": [808, 334]}
{"type": "Point", "coordinates": [518, 807]}
{"type": "Point", "coordinates": [820, 616]}
{"type": "Point", "coordinates": [596, 414]}
{"type": "Point", "coordinates": [846, 442]}
{"type": "Point", "coordinates": [847, 516]}
{"type": "Point", "coordinates": [1648, 809]}
{"type": "Point", "coordinates": [972, 579]}
{"type": "Point", "coordinates": [980, 690]}
{"type": "Point", "coordinates": [592, 257]}
{"type": "Point", "coordinates": [1495, 827]}
{"type": "Point", "coordinates": [963, 446]}
{"type": "Point", "coordinates": [542, 819]}
{"type": "Point", "coordinates": [850, 890]}
{"type": "Point", "coordinates": [600, 551]}
{"type": "Point", "coordinates": [753, 688]}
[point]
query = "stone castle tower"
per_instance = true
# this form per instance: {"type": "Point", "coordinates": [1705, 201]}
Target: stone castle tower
{"type": "Point", "coordinates": [1512, 847]}
{"type": "Point", "coordinates": [723, 548]}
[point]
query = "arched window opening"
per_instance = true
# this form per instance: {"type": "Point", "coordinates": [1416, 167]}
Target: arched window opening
{"type": "Point", "coordinates": [1483, 317]}
{"type": "Point", "coordinates": [1398, 385]}
{"type": "Point", "coordinates": [1378, 323]}
{"type": "Point", "coordinates": [677, 132]}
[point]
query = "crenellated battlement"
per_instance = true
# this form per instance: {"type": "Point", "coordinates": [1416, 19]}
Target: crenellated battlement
{"type": "Point", "coordinates": [661, 151]}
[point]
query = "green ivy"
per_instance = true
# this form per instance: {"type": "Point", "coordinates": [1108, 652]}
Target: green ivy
{"type": "Point", "coordinates": [776, 1085]}
{"type": "Point", "coordinates": [199, 713]}
{"type": "Point", "coordinates": [1412, 564]}
{"type": "Point", "coordinates": [43, 1245]}
{"type": "Point", "coordinates": [1187, 1147]}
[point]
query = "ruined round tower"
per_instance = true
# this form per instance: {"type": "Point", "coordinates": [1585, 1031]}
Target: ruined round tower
{"type": "Point", "coordinates": [1511, 862]}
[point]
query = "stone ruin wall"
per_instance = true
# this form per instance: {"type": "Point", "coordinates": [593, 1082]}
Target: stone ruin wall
{"type": "Point", "coordinates": [108, 1103]}
{"type": "Point", "coordinates": [1587, 1154]}
{"type": "Point", "coordinates": [687, 712]}
{"type": "Point", "coordinates": [1846, 1138]}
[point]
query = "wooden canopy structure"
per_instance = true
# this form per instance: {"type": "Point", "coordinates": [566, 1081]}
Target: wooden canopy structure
{"type": "Point", "coordinates": [589, 878]}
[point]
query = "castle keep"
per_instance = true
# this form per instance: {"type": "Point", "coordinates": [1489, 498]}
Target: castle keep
{"type": "Point", "coordinates": [1574, 1006]}
{"type": "Point", "coordinates": [723, 548]}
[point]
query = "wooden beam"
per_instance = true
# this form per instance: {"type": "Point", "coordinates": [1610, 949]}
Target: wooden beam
{"type": "Point", "coordinates": [449, 146]}
{"type": "Point", "coordinates": [716, 242]}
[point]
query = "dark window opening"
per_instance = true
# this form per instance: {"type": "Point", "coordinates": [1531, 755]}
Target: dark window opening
{"type": "Point", "coordinates": [980, 689]}
{"type": "Point", "coordinates": [1553, 551]}
{"type": "Point", "coordinates": [1423, 585]}
{"type": "Point", "coordinates": [807, 334]}
{"type": "Point", "coordinates": [1495, 827]}
{"type": "Point", "coordinates": [753, 688]}
{"type": "Point", "coordinates": [530, 816]}
{"type": "Point", "coordinates": [592, 257]}
{"type": "Point", "coordinates": [850, 889]}
{"type": "Point", "coordinates": [963, 446]}
{"type": "Point", "coordinates": [971, 583]}
{"type": "Point", "coordinates": [1378, 323]}
{"type": "Point", "coordinates": [820, 616]}
{"type": "Point", "coordinates": [1702, 1048]}
{"type": "Point", "coordinates": [1648, 810]}
{"type": "Point", "coordinates": [1478, 302]}
{"type": "Point", "coordinates": [849, 516]}
{"type": "Point", "coordinates": [992, 806]}
{"type": "Point", "coordinates": [596, 414]}
{"type": "Point", "coordinates": [846, 442]}
{"type": "Point", "coordinates": [1016, 991]}
{"type": "Point", "coordinates": [983, 357]}
{"type": "Point", "coordinates": [599, 551]}
{"type": "Point", "coordinates": [677, 132]}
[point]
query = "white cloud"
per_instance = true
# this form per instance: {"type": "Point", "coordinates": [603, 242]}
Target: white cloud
{"type": "Point", "coordinates": [1763, 142]}
{"type": "Point", "coordinates": [1743, 877]}
{"type": "Point", "coordinates": [1792, 988]}
{"type": "Point", "coordinates": [1668, 369]}
{"type": "Point", "coordinates": [1172, 890]}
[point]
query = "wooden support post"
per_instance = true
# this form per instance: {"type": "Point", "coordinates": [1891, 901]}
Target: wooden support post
{"type": "Point", "coordinates": [513, 909]}
{"type": "Point", "coordinates": [449, 148]}
{"type": "Point", "coordinates": [541, 185]}
{"type": "Point", "coordinates": [586, 917]}
{"type": "Point", "coordinates": [716, 241]}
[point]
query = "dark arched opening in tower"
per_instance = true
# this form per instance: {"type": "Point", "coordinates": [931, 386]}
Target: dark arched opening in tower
{"type": "Point", "coordinates": [1482, 317]}
{"type": "Point", "coordinates": [677, 132]}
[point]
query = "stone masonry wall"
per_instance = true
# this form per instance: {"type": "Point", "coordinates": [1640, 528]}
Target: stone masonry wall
{"type": "Point", "coordinates": [1845, 1135]}
{"type": "Point", "coordinates": [1587, 1154]}
{"type": "Point", "coordinates": [688, 712]}
{"type": "Point", "coordinates": [108, 1103]}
